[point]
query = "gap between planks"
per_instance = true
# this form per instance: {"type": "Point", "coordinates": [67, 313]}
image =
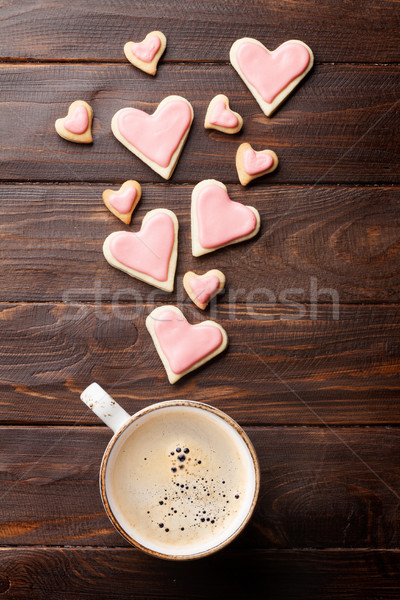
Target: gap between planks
{"type": "Point", "coordinates": [178, 184]}
{"type": "Point", "coordinates": [186, 303]}
{"type": "Point", "coordinates": [230, 550]}
{"type": "Point", "coordinates": [121, 61]}
{"type": "Point", "coordinates": [253, 426]}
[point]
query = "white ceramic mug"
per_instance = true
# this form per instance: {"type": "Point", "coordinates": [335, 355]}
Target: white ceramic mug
{"type": "Point", "coordinates": [224, 440]}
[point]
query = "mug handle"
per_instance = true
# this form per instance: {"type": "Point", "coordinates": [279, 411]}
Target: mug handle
{"type": "Point", "coordinates": [105, 407]}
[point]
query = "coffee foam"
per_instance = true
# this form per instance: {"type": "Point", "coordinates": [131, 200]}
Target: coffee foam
{"type": "Point", "coordinates": [180, 480]}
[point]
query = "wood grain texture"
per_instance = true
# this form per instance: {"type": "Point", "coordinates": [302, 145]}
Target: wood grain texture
{"type": "Point", "coordinates": [341, 125]}
{"type": "Point", "coordinates": [327, 522]}
{"type": "Point", "coordinates": [125, 573]}
{"type": "Point", "coordinates": [276, 370]}
{"type": "Point", "coordinates": [202, 30]}
{"type": "Point", "coordinates": [320, 488]}
{"type": "Point", "coordinates": [345, 238]}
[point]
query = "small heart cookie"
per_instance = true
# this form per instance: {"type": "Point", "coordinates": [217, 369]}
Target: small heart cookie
{"type": "Point", "coordinates": [220, 117]}
{"type": "Point", "coordinates": [77, 125]}
{"type": "Point", "coordinates": [149, 255]}
{"type": "Point", "coordinates": [156, 139]}
{"type": "Point", "coordinates": [218, 221]}
{"type": "Point", "coordinates": [251, 164]}
{"type": "Point", "coordinates": [123, 202]}
{"type": "Point", "coordinates": [146, 54]}
{"type": "Point", "coordinates": [202, 288]}
{"type": "Point", "coordinates": [183, 347]}
{"type": "Point", "coordinates": [271, 76]}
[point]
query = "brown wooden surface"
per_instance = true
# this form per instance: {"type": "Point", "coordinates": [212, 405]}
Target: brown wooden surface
{"type": "Point", "coordinates": [345, 237]}
{"type": "Point", "coordinates": [316, 491]}
{"type": "Point", "coordinates": [342, 124]}
{"type": "Point", "coordinates": [341, 31]}
{"type": "Point", "coordinates": [65, 573]}
{"type": "Point", "coordinates": [276, 370]}
{"type": "Point", "coordinates": [318, 395]}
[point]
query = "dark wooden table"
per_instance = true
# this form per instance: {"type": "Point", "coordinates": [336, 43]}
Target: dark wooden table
{"type": "Point", "coordinates": [311, 306]}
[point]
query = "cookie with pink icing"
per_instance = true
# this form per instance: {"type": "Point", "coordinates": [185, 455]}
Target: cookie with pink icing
{"type": "Point", "coordinates": [218, 221]}
{"type": "Point", "coordinates": [146, 54]}
{"type": "Point", "coordinates": [123, 202]}
{"type": "Point", "coordinates": [251, 164]}
{"type": "Point", "coordinates": [156, 139]}
{"type": "Point", "coordinates": [203, 288]}
{"type": "Point", "coordinates": [220, 117]}
{"type": "Point", "coordinates": [150, 254]}
{"type": "Point", "coordinates": [77, 125]}
{"type": "Point", "coordinates": [181, 346]}
{"type": "Point", "coordinates": [271, 76]}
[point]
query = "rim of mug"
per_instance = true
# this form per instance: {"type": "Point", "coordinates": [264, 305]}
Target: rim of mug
{"type": "Point", "coordinates": [142, 413]}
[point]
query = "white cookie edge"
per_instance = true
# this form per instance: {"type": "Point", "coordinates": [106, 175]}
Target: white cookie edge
{"type": "Point", "coordinates": [207, 120]}
{"type": "Point", "coordinates": [172, 376]}
{"type": "Point", "coordinates": [165, 172]}
{"type": "Point", "coordinates": [78, 138]}
{"type": "Point", "coordinates": [168, 285]}
{"type": "Point", "coordinates": [124, 217]}
{"type": "Point", "coordinates": [197, 248]}
{"type": "Point", "coordinates": [188, 289]}
{"type": "Point", "coordinates": [243, 175]}
{"type": "Point", "coordinates": [269, 108]}
{"type": "Point", "coordinates": [147, 67]}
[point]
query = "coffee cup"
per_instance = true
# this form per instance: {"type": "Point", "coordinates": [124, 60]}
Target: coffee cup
{"type": "Point", "coordinates": [178, 479]}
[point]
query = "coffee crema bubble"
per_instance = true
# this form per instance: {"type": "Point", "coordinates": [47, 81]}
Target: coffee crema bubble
{"type": "Point", "coordinates": [194, 486]}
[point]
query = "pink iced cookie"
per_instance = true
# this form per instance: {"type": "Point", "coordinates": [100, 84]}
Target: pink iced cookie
{"type": "Point", "coordinates": [147, 49]}
{"type": "Point", "coordinates": [220, 117]}
{"type": "Point", "coordinates": [251, 164]}
{"type": "Point", "coordinates": [156, 139]}
{"type": "Point", "coordinates": [146, 54]}
{"type": "Point", "coordinates": [218, 221]}
{"type": "Point", "coordinates": [271, 76]}
{"type": "Point", "coordinates": [202, 288]}
{"type": "Point", "coordinates": [181, 346]}
{"type": "Point", "coordinates": [123, 202]}
{"type": "Point", "coordinates": [77, 125]}
{"type": "Point", "coordinates": [150, 254]}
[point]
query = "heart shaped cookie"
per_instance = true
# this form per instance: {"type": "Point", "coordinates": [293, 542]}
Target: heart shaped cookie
{"type": "Point", "coordinates": [156, 139]}
{"type": "Point", "coordinates": [149, 255]}
{"type": "Point", "coordinates": [251, 164]}
{"type": "Point", "coordinates": [123, 202]}
{"type": "Point", "coordinates": [271, 76]}
{"type": "Point", "coordinates": [146, 54]}
{"type": "Point", "coordinates": [183, 347]}
{"type": "Point", "coordinates": [220, 117]}
{"type": "Point", "coordinates": [202, 288]}
{"type": "Point", "coordinates": [218, 221]}
{"type": "Point", "coordinates": [77, 125]}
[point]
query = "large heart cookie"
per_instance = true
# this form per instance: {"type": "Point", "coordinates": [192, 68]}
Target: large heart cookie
{"type": "Point", "coordinates": [220, 117]}
{"type": "Point", "coordinates": [271, 76]}
{"type": "Point", "coordinates": [183, 347]}
{"type": "Point", "coordinates": [157, 139]}
{"type": "Point", "coordinates": [146, 54]}
{"type": "Point", "coordinates": [218, 221]}
{"type": "Point", "coordinates": [77, 125]}
{"type": "Point", "coordinates": [251, 164]}
{"type": "Point", "coordinates": [149, 255]}
{"type": "Point", "coordinates": [203, 288]}
{"type": "Point", "coordinates": [123, 202]}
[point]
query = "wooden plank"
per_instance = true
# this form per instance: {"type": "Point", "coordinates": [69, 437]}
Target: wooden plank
{"type": "Point", "coordinates": [198, 30]}
{"type": "Point", "coordinates": [339, 126]}
{"type": "Point", "coordinates": [124, 573]}
{"type": "Point", "coordinates": [345, 239]}
{"type": "Point", "coordinates": [320, 487]}
{"type": "Point", "coordinates": [276, 370]}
